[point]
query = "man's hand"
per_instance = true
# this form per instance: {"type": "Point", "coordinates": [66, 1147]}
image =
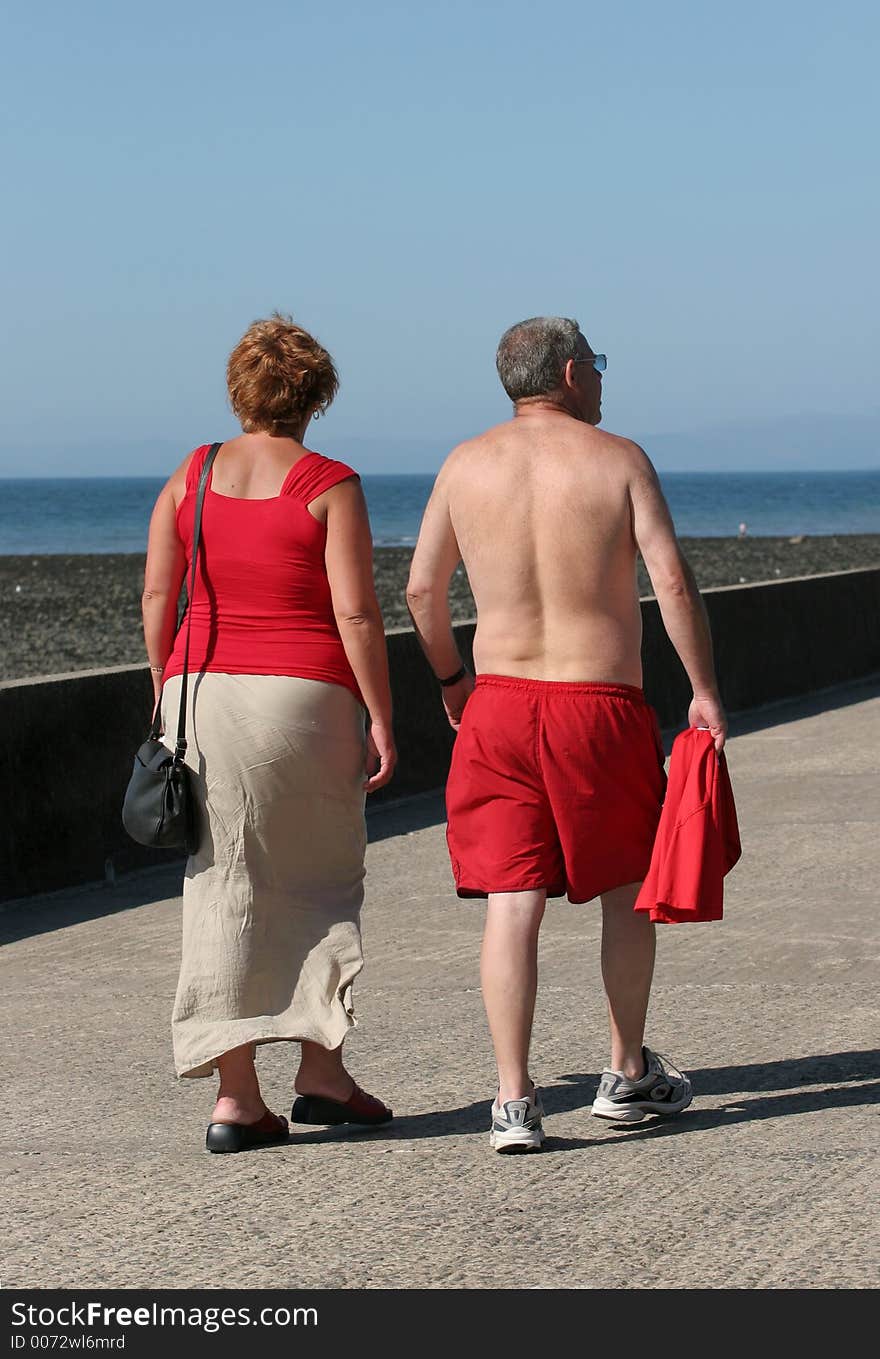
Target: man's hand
{"type": "Point", "coordinates": [455, 697]}
{"type": "Point", "coordinates": [381, 756]}
{"type": "Point", "coordinates": [706, 711]}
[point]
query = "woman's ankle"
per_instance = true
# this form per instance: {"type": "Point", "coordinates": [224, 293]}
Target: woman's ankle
{"type": "Point", "coordinates": [320, 1069]}
{"type": "Point", "coordinates": [238, 1108]}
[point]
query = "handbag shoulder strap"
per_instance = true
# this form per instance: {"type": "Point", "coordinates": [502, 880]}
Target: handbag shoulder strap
{"type": "Point", "coordinates": [180, 743]}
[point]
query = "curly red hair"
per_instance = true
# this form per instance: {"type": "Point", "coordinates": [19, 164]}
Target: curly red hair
{"type": "Point", "coordinates": [277, 374]}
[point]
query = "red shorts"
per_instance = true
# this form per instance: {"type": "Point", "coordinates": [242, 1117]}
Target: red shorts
{"type": "Point", "coordinates": [553, 785]}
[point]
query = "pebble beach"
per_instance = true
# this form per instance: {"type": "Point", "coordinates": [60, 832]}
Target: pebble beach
{"type": "Point", "coordinates": [64, 613]}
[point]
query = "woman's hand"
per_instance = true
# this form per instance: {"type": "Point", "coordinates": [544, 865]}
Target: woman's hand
{"type": "Point", "coordinates": [381, 756]}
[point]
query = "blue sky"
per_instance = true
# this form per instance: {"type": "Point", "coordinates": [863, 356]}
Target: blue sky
{"type": "Point", "coordinates": [696, 183]}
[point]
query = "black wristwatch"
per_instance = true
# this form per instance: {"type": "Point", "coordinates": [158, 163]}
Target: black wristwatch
{"type": "Point", "coordinates": [453, 679]}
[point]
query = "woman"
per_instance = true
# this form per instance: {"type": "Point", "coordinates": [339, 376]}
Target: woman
{"type": "Point", "coordinates": [286, 654]}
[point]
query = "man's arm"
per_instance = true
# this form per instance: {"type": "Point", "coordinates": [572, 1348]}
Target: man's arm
{"type": "Point", "coordinates": [427, 597]}
{"type": "Point", "coordinates": [681, 608]}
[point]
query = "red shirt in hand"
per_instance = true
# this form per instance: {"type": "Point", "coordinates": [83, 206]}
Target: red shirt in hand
{"type": "Point", "coordinates": [697, 840]}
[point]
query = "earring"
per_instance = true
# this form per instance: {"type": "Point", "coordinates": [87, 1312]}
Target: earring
{"type": "Point", "coordinates": [316, 415]}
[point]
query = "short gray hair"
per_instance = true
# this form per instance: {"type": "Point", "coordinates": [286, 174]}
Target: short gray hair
{"type": "Point", "coordinates": [532, 355]}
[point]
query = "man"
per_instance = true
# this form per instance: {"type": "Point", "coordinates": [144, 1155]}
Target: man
{"type": "Point", "coordinates": [557, 775]}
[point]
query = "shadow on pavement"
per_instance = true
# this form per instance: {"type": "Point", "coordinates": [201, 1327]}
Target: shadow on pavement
{"type": "Point", "coordinates": [56, 910]}
{"type": "Point", "coordinates": [739, 1111]}
{"type": "Point", "coordinates": [810, 705]}
{"type": "Point", "coordinates": [785, 1074]}
{"type": "Point", "coordinates": [386, 820]}
{"type": "Point", "coordinates": [829, 1071]}
{"type": "Point", "coordinates": [31, 916]}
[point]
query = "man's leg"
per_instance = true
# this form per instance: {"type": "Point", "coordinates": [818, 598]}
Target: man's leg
{"type": "Point", "coordinates": [509, 974]}
{"type": "Point", "coordinates": [628, 947]}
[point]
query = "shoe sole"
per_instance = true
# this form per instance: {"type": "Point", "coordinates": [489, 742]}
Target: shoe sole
{"type": "Point", "coordinates": [634, 1113]}
{"type": "Point", "coordinates": [516, 1141]}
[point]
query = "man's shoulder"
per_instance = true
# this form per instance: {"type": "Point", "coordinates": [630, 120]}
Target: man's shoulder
{"type": "Point", "coordinates": [486, 438]}
{"type": "Point", "coordinates": [626, 452]}
{"type": "Point", "coordinates": [621, 444]}
{"type": "Point", "coordinates": [474, 447]}
{"type": "Point", "coordinates": [507, 436]}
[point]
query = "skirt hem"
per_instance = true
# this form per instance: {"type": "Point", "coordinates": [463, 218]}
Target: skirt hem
{"type": "Point", "coordinates": [206, 1066]}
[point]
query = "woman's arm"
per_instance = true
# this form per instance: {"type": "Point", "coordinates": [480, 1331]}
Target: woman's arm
{"type": "Point", "coordinates": [163, 577]}
{"type": "Point", "coordinates": [349, 559]}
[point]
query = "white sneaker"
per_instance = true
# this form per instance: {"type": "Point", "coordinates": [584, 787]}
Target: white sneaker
{"type": "Point", "coordinates": [662, 1090]}
{"type": "Point", "coordinates": [516, 1125]}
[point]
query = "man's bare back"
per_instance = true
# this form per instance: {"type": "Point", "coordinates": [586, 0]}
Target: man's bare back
{"type": "Point", "coordinates": [542, 514]}
{"type": "Point", "coordinates": [548, 514]}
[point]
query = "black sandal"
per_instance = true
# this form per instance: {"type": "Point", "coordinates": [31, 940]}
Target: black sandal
{"type": "Point", "coordinates": [358, 1108]}
{"type": "Point", "coordinates": [238, 1136]}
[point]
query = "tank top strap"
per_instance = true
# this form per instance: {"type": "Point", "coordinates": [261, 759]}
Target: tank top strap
{"type": "Point", "coordinates": [194, 471]}
{"type": "Point", "coordinates": [314, 474]}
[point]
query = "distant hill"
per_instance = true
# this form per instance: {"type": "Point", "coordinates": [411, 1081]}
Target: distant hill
{"type": "Point", "coordinates": [791, 443]}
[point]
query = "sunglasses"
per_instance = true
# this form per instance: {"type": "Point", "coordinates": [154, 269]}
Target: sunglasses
{"type": "Point", "coordinates": [599, 362]}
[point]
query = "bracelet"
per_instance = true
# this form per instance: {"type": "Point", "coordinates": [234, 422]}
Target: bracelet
{"type": "Point", "coordinates": [453, 679]}
{"type": "Point", "coordinates": [158, 669]}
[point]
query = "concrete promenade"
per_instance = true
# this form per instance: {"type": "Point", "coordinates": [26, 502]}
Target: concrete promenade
{"type": "Point", "coordinates": [768, 1181]}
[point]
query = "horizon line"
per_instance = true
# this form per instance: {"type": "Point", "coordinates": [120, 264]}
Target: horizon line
{"type": "Point", "coordinates": [674, 471]}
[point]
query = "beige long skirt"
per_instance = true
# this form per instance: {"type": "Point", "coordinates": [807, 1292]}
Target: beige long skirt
{"type": "Point", "coordinates": [272, 897]}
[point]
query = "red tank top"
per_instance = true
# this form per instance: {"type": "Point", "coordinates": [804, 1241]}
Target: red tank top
{"type": "Point", "coordinates": [261, 603]}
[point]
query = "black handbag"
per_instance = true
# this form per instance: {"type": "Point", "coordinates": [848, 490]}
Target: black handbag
{"type": "Point", "coordinates": [158, 806]}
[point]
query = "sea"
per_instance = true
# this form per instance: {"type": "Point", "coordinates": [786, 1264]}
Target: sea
{"type": "Point", "coordinates": [109, 514]}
